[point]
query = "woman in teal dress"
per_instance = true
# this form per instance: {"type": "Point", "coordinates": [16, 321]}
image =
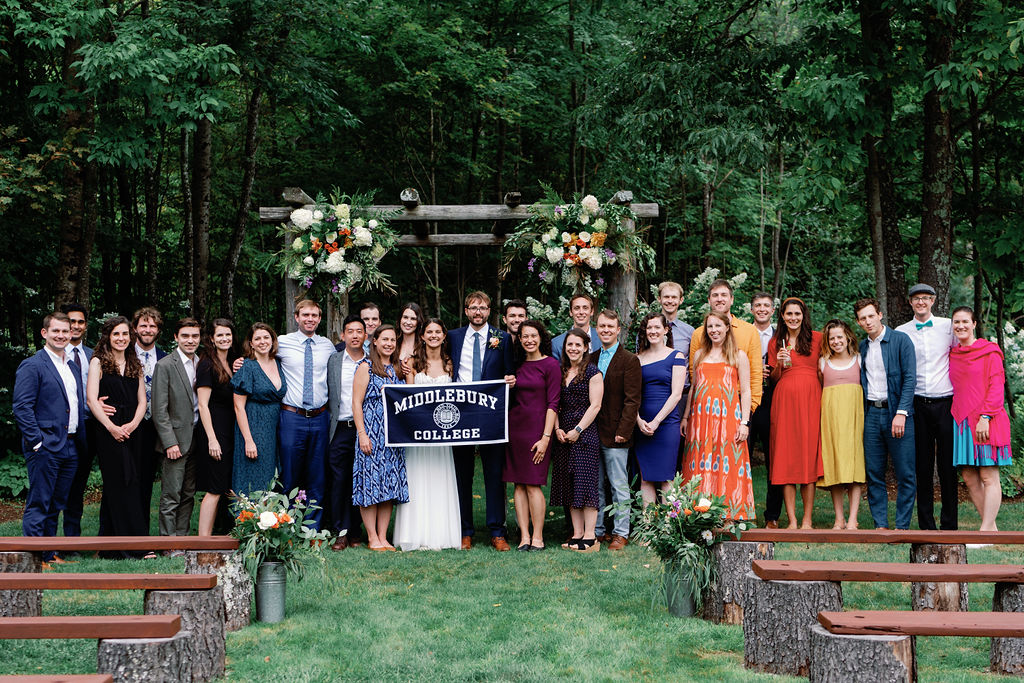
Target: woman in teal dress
{"type": "Point", "coordinates": [259, 387]}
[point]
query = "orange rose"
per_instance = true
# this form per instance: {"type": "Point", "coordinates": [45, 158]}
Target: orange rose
{"type": "Point", "coordinates": [244, 515]}
{"type": "Point", "coordinates": [701, 508]}
{"type": "Point", "coordinates": [283, 517]}
{"type": "Point", "coordinates": [580, 243]}
{"type": "Point", "coordinates": [687, 511]}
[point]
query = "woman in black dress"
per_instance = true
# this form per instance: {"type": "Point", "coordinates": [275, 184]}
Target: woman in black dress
{"type": "Point", "coordinates": [215, 446]}
{"type": "Point", "coordinates": [575, 469]}
{"type": "Point", "coordinates": [115, 373]}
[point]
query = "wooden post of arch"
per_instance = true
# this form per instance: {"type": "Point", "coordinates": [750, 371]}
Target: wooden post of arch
{"type": "Point", "coordinates": [622, 285]}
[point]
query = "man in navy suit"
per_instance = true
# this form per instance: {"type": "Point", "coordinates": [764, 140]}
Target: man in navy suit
{"type": "Point", "coordinates": [581, 308]}
{"type": "Point", "coordinates": [888, 374]}
{"type": "Point", "coordinates": [49, 407]}
{"type": "Point", "coordinates": [478, 353]}
{"type": "Point", "coordinates": [147, 322]}
{"type": "Point", "coordinates": [79, 356]}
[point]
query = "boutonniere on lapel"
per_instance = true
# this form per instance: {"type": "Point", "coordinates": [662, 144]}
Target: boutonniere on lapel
{"type": "Point", "coordinates": [494, 341]}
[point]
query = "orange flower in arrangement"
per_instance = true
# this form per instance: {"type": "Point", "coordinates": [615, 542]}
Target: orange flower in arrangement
{"type": "Point", "coordinates": [580, 243]}
{"type": "Point", "coordinates": [332, 247]}
{"type": "Point", "coordinates": [687, 511]}
{"type": "Point", "coordinates": [701, 508]}
{"type": "Point", "coordinates": [345, 231]}
{"type": "Point", "coordinates": [597, 239]}
{"type": "Point", "coordinates": [245, 515]}
{"type": "Point", "coordinates": [284, 518]}
{"type": "Point", "coordinates": [348, 242]}
{"type": "Point", "coordinates": [315, 244]}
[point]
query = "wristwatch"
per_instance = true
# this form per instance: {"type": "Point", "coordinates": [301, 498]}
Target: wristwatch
{"type": "Point", "coordinates": [744, 423]}
{"type": "Point", "coordinates": [578, 430]}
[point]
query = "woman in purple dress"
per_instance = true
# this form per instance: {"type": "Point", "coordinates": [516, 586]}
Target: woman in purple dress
{"type": "Point", "coordinates": [574, 462]}
{"type": "Point", "coordinates": [533, 413]}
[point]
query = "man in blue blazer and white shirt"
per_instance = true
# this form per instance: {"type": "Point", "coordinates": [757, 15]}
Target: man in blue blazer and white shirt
{"type": "Point", "coordinates": [49, 407]}
{"type": "Point", "coordinates": [888, 374]}
{"type": "Point", "coordinates": [478, 353]}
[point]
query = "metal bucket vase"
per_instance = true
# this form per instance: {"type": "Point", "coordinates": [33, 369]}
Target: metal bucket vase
{"type": "Point", "coordinates": [678, 592]}
{"type": "Point", "coordinates": [271, 582]}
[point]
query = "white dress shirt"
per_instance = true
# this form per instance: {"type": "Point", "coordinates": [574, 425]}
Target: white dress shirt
{"type": "Point", "coordinates": [766, 336]}
{"type": "Point", "coordinates": [190, 370]}
{"type": "Point", "coordinates": [874, 369]}
{"type": "Point", "coordinates": [931, 348]}
{"type": "Point", "coordinates": [348, 373]}
{"type": "Point", "coordinates": [466, 356]}
{"type": "Point", "coordinates": [67, 374]}
{"type": "Point", "coordinates": [291, 351]}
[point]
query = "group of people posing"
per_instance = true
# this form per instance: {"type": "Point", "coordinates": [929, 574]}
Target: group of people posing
{"type": "Point", "coordinates": [828, 411]}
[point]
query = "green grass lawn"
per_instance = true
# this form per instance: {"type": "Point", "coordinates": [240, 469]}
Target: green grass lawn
{"type": "Point", "coordinates": [483, 615]}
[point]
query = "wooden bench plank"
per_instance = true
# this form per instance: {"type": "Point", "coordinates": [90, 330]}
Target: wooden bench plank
{"type": "Point", "coordinates": [881, 536]}
{"type": "Point", "coordinates": [115, 626]}
{"type": "Point", "coordinates": [35, 544]}
{"type": "Point", "coordinates": [817, 570]}
{"type": "Point", "coordinates": [58, 678]}
{"type": "Point", "coordinates": [879, 622]}
{"type": "Point", "coordinates": [72, 581]}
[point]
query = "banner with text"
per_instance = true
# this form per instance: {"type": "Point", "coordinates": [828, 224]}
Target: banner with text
{"type": "Point", "coordinates": [456, 414]}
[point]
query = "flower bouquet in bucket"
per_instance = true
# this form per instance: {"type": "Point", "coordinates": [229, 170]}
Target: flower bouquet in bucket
{"type": "Point", "coordinates": [682, 527]}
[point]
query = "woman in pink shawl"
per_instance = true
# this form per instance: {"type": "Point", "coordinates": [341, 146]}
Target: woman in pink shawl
{"type": "Point", "coordinates": [981, 435]}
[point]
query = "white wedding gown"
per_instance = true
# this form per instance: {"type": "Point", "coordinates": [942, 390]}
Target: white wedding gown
{"type": "Point", "coordinates": [430, 520]}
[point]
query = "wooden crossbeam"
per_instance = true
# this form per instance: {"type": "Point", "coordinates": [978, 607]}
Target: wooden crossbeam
{"type": "Point", "coordinates": [886, 623]}
{"type": "Point", "coordinates": [448, 212]}
{"type": "Point", "coordinates": [35, 544]}
{"type": "Point", "coordinates": [817, 570]}
{"type": "Point", "coordinates": [881, 536]}
{"type": "Point", "coordinates": [116, 626]}
{"type": "Point", "coordinates": [73, 581]}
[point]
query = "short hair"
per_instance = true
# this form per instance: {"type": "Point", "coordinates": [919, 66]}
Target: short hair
{"type": "Point", "coordinates": [611, 314]}
{"type": "Point", "coordinates": [352, 318]}
{"type": "Point", "coordinates": [147, 312]}
{"type": "Point", "coordinates": [721, 282]}
{"type": "Point", "coordinates": [582, 295]}
{"type": "Point", "coordinates": [59, 316]}
{"type": "Point", "coordinates": [76, 308]}
{"type": "Point", "coordinates": [513, 303]}
{"type": "Point", "coordinates": [369, 305]}
{"type": "Point", "coordinates": [864, 303]}
{"type": "Point", "coordinates": [669, 284]}
{"type": "Point", "coordinates": [307, 303]}
{"type": "Point", "coordinates": [186, 322]}
{"type": "Point", "coordinates": [478, 296]}
{"type": "Point", "coordinates": [249, 352]}
{"type": "Point", "coordinates": [964, 309]}
{"type": "Point", "coordinates": [762, 295]}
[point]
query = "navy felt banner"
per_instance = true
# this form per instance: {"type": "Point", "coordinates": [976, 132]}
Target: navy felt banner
{"type": "Point", "coordinates": [456, 414]}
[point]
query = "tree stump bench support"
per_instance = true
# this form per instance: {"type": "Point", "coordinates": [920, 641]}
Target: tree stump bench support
{"type": "Point", "coordinates": [777, 620]}
{"type": "Point", "coordinates": [21, 602]}
{"type": "Point", "coordinates": [938, 597]}
{"type": "Point", "coordinates": [147, 660]}
{"type": "Point", "coordinates": [202, 616]}
{"type": "Point", "coordinates": [723, 599]}
{"type": "Point", "coordinates": [837, 658]}
{"type": "Point", "coordinates": [235, 582]}
{"type": "Point", "coordinates": [1007, 653]}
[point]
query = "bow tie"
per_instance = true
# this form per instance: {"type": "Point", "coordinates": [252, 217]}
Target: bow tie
{"type": "Point", "coordinates": [921, 326]}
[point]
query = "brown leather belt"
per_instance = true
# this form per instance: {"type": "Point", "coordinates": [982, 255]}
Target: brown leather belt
{"type": "Point", "coordinates": [302, 411]}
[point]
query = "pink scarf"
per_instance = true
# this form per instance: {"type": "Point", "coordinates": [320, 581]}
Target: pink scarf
{"type": "Point", "coordinates": [976, 372]}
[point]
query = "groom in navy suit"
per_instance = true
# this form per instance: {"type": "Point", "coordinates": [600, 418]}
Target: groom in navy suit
{"type": "Point", "coordinates": [478, 353]}
{"type": "Point", "coordinates": [49, 407]}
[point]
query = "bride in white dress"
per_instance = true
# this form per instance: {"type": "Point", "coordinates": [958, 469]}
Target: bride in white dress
{"type": "Point", "coordinates": [430, 520]}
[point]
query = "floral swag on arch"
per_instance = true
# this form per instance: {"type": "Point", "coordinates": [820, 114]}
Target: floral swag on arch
{"type": "Point", "coordinates": [574, 246]}
{"type": "Point", "coordinates": [334, 247]}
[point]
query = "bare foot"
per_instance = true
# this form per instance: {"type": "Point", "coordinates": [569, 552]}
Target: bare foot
{"type": "Point", "coordinates": [792, 525]}
{"type": "Point", "coordinates": [806, 525]}
{"type": "Point", "coordinates": [839, 525]}
{"type": "Point", "coordinates": [851, 525]}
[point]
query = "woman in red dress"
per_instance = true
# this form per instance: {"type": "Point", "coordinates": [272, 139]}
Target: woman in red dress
{"type": "Point", "coordinates": [796, 409]}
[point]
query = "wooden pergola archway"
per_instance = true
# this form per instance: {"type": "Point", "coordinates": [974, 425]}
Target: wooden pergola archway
{"type": "Point", "coordinates": [622, 285]}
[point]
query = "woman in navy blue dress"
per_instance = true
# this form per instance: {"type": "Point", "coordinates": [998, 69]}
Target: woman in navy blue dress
{"type": "Point", "coordinates": [259, 387]}
{"type": "Point", "coordinates": [657, 424]}
{"type": "Point", "coordinates": [378, 472]}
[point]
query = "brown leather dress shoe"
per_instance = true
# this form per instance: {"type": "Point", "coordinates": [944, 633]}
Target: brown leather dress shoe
{"type": "Point", "coordinates": [771, 524]}
{"type": "Point", "coordinates": [618, 542]}
{"type": "Point", "coordinates": [500, 544]}
{"type": "Point", "coordinates": [467, 542]}
{"type": "Point", "coordinates": [340, 544]}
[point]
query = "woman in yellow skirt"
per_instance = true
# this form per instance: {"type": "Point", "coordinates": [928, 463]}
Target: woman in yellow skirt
{"type": "Point", "coordinates": [842, 420]}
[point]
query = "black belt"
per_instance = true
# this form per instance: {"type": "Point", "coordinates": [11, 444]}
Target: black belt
{"type": "Point", "coordinates": [313, 412]}
{"type": "Point", "coordinates": [879, 404]}
{"type": "Point", "coordinates": [940, 399]}
{"type": "Point", "coordinates": [351, 424]}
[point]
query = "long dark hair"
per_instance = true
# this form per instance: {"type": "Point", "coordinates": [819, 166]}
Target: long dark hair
{"type": "Point", "coordinates": [105, 352]}
{"type": "Point", "coordinates": [209, 350]}
{"type": "Point", "coordinates": [421, 321]}
{"type": "Point", "coordinates": [806, 334]}
{"type": "Point", "coordinates": [581, 364]}
{"type": "Point", "coordinates": [376, 364]}
{"type": "Point", "coordinates": [419, 360]}
{"type": "Point", "coordinates": [644, 343]}
{"type": "Point", "coordinates": [545, 337]}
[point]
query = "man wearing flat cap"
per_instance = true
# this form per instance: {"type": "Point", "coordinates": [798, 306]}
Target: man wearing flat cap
{"type": "Point", "coordinates": [933, 396]}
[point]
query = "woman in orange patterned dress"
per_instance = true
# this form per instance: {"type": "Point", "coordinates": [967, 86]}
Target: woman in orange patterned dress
{"type": "Point", "coordinates": [717, 417]}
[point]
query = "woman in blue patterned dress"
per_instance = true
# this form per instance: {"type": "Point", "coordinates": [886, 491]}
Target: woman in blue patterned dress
{"type": "Point", "coordinates": [259, 387]}
{"type": "Point", "coordinates": [378, 474]}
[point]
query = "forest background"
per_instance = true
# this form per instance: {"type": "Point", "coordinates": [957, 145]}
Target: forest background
{"type": "Point", "coordinates": [828, 149]}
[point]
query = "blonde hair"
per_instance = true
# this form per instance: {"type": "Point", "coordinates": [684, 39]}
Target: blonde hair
{"type": "Point", "coordinates": [851, 338]}
{"type": "Point", "coordinates": [728, 343]}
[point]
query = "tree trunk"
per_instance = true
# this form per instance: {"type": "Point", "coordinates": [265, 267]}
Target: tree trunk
{"type": "Point", "coordinates": [252, 142]}
{"type": "Point", "coordinates": [707, 227]}
{"type": "Point", "coordinates": [777, 618]}
{"type": "Point", "coordinates": [939, 597]}
{"type": "Point", "coordinates": [202, 613]}
{"type": "Point", "coordinates": [20, 603]}
{"type": "Point", "coordinates": [837, 658]}
{"type": "Point", "coordinates": [936, 245]}
{"type": "Point", "coordinates": [151, 198]}
{"type": "Point", "coordinates": [187, 236]}
{"type": "Point", "coordinates": [201, 178]}
{"type": "Point", "coordinates": [146, 660]}
{"type": "Point", "coordinates": [126, 201]}
{"type": "Point", "coordinates": [723, 600]}
{"type": "Point", "coordinates": [1007, 654]}
{"type": "Point", "coordinates": [234, 582]}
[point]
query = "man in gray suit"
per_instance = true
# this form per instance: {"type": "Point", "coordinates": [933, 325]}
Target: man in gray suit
{"type": "Point", "coordinates": [175, 415]}
{"type": "Point", "coordinates": [341, 368]}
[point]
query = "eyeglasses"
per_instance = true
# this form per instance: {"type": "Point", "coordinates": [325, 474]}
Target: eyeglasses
{"type": "Point", "coordinates": [478, 308]}
{"type": "Point", "coordinates": [922, 299]}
